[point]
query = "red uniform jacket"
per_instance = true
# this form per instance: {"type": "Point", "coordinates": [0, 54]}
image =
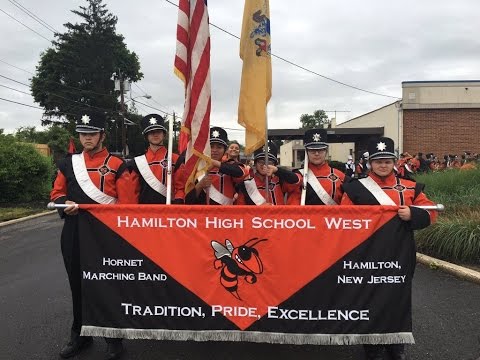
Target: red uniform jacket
{"type": "Point", "coordinates": [224, 179]}
{"type": "Point", "coordinates": [278, 188]}
{"type": "Point", "coordinates": [107, 172]}
{"type": "Point", "coordinates": [401, 191]}
{"type": "Point", "coordinates": [331, 180]}
{"type": "Point", "coordinates": [158, 163]}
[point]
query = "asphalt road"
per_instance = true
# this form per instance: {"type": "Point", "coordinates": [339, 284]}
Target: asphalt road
{"type": "Point", "coordinates": [35, 312]}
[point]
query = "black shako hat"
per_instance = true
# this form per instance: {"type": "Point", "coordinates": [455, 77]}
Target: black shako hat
{"type": "Point", "coordinates": [219, 136]}
{"type": "Point", "coordinates": [90, 122]}
{"type": "Point", "coordinates": [153, 122]}
{"type": "Point", "coordinates": [315, 139]}
{"type": "Point", "coordinates": [272, 153]}
{"type": "Point", "coordinates": [381, 148]}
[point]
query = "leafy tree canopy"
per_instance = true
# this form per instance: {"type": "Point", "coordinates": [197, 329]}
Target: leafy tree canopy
{"type": "Point", "coordinates": [317, 120]}
{"type": "Point", "coordinates": [77, 72]}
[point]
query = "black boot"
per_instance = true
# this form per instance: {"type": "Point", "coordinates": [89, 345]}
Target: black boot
{"type": "Point", "coordinates": [114, 349]}
{"type": "Point", "coordinates": [374, 352]}
{"type": "Point", "coordinates": [76, 344]}
{"type": "Point", "coordinates": [397, 351]}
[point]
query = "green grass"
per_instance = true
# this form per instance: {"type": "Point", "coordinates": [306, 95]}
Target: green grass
{"type": "Point", "coordinates": [458, 190]}
{"type": "Point", "coordinates": [456, 239]}
{"type": "Point", "coordinates": [456, 234]}
{"type": "Point", "coordinates": [10, 212]}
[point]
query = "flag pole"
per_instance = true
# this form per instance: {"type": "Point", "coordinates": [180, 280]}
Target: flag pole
{"type": "Point", "coordinates": [169, 160]}
{"type": "Point", "coordinates": [305, 173]}
{"type": "Point", "coordinates": [267, 183]}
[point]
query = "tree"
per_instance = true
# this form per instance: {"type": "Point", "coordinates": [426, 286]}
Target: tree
{"type": "Point", "coordinates": [56, 137]}
{"type": "Point", "coordinates": [318, 120]}
{"type": "Point", "coordinates": [25, 174]}
{"type": "Point", "coordinates": [77, 72]}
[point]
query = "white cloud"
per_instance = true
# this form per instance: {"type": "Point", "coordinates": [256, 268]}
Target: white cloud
{"type": "Point", "coordinates": [373, 44]}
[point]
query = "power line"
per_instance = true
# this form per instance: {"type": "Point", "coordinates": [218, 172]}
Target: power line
{"type": "Point", "coordinates": [33, 16]}
{"type": "Point", "coordinates": [19, 103]}
{"type": "Point", "coordinates": [18, 82]}
{"type": "Point", "coordinates": [20, 91]}
{"type": "Point", "coordinates": [29, 28]}
{"type": "Point", "coordinates": [152, 107]}
{"type": "Point", "coordinates": [302, 67]}
{"type": "Point", "coordinates": [62, 97]}
{"type": "Point", "coordinates": [145, 93]}
{"type": "Point", "coordinates": [16, 67]}
{"type": "Point", "coordinates": [55, 82]}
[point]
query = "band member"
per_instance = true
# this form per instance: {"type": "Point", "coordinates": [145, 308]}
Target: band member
{"type": "Point", "coordinates": [350, 166]}
{"type": "Point", "coordinates": [222, 176]}
{"type": "Point", "coordinates": [383, 187]}
{"type": "Point", "coordinates": [362, 168]}
{"type": "Point", "coordinates": [280, 181]}
{"type": "Point", "coordinates": [149, 171]}
{"type": "Point", "coordinates": [323, 182]}
{"type": "Point", "coordinates": [233, 152]}
{"type": "Point", "coordinates": [93, 176]}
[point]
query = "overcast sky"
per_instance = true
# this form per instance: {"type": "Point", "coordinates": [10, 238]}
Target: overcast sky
{"type": "Point", "coordinates": [372, 44]}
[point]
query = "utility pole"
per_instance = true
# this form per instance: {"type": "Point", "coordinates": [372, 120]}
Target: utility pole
{"type": "Point", "coordinates": [122, 110]}
{"type": "Point", "coordinates": [174, 129]}
{"type": "Point", "coordinates": [335, 111]}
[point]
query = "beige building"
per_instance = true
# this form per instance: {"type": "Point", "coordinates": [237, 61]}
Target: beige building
{"type": "Point", "coordinates": [292, 154]}
{"type": "Point", "coordinates": [440, 117]}
{"type": "Point", "coordinates": [389, 117]}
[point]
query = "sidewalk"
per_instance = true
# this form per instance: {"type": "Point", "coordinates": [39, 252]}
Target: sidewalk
{"type": "Point", "coordinates": [433, 263]}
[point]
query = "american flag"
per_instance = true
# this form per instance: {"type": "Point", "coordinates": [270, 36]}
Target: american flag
{"type": "Point", "coordinates": [192, 66]}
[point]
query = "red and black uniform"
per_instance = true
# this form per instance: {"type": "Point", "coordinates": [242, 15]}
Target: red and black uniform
{"type": "Point", "coordinates": [224, 180]}
{"type": "Point", "coordinates": [361, 170]}
{"type": "Point", "coordinates": [110, 175]}
{"type": "Point", "coordinates": [158, 164]}
{"type": "Point", "coordinates": [281, 183]}
{"type": "Point", "coordinates": [329, 178]}
{"type": "Point", "coordinates": [402, 192]}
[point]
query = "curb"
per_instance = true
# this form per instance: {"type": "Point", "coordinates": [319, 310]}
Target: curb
{"type": "Point", "coordinates": [14, 221]}
{"type": "Point", "coordinates": [455, 270]}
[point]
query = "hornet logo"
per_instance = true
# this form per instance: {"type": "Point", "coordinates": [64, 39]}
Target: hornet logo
{"type": "Point", "coordinates": [237, 261]}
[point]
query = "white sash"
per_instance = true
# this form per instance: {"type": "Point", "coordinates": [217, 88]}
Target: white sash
{"type": "Point", "coordinates": [86, 184]}
{"type": "Point", "coordinates": [318, 188]}
{"type": "Point", "coordinates": [149, 176]}
{"type": "Point", "coordinates": [217, 196]}
{"type": "Point", "coordinates": [252, 191]}
{"type": "Point", "coordinates": [376, 191]}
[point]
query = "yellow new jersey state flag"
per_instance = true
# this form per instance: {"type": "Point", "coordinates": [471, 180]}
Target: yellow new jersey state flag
{"type": "Point", "coordinates": [256, 86]}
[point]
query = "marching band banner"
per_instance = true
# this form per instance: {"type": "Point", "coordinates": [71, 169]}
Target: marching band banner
{"type": "Point", "coordinates": [335, 275]}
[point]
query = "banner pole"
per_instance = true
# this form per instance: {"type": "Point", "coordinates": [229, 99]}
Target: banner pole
{"type": "Point", "coordinates": [267, 190]}
{"type": "Point", "coordinates": [305, 173]}
{"type": "Point", "coordinates": [169, 160]}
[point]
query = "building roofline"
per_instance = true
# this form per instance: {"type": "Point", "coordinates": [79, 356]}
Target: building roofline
{"type": "Point", "coordinates": [441, 82]}
{"type": "Point", "coordinates": [331, 132]}
{"type": "Point", "coordinates": [359, 116]}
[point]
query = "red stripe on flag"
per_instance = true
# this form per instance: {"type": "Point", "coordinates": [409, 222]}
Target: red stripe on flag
{"type": "Point", "coordinates": [193, 45]}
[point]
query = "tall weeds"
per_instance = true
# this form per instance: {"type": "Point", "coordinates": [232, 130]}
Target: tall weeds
{"type": "Point", "coordinates": [456, 234]}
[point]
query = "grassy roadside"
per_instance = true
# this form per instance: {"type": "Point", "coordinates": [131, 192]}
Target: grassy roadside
{"type": "Point", "coordinates": [10, 211]}
{"type": "Point", "coordinates": [455, 237]}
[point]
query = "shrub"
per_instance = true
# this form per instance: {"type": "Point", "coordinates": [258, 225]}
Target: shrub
{"type": "Point", "coordinates": [25, 174]}
{"type": "Point", "coordinates": [455, 239]}
{"type": "Point", "coordinates": [458, 190]}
